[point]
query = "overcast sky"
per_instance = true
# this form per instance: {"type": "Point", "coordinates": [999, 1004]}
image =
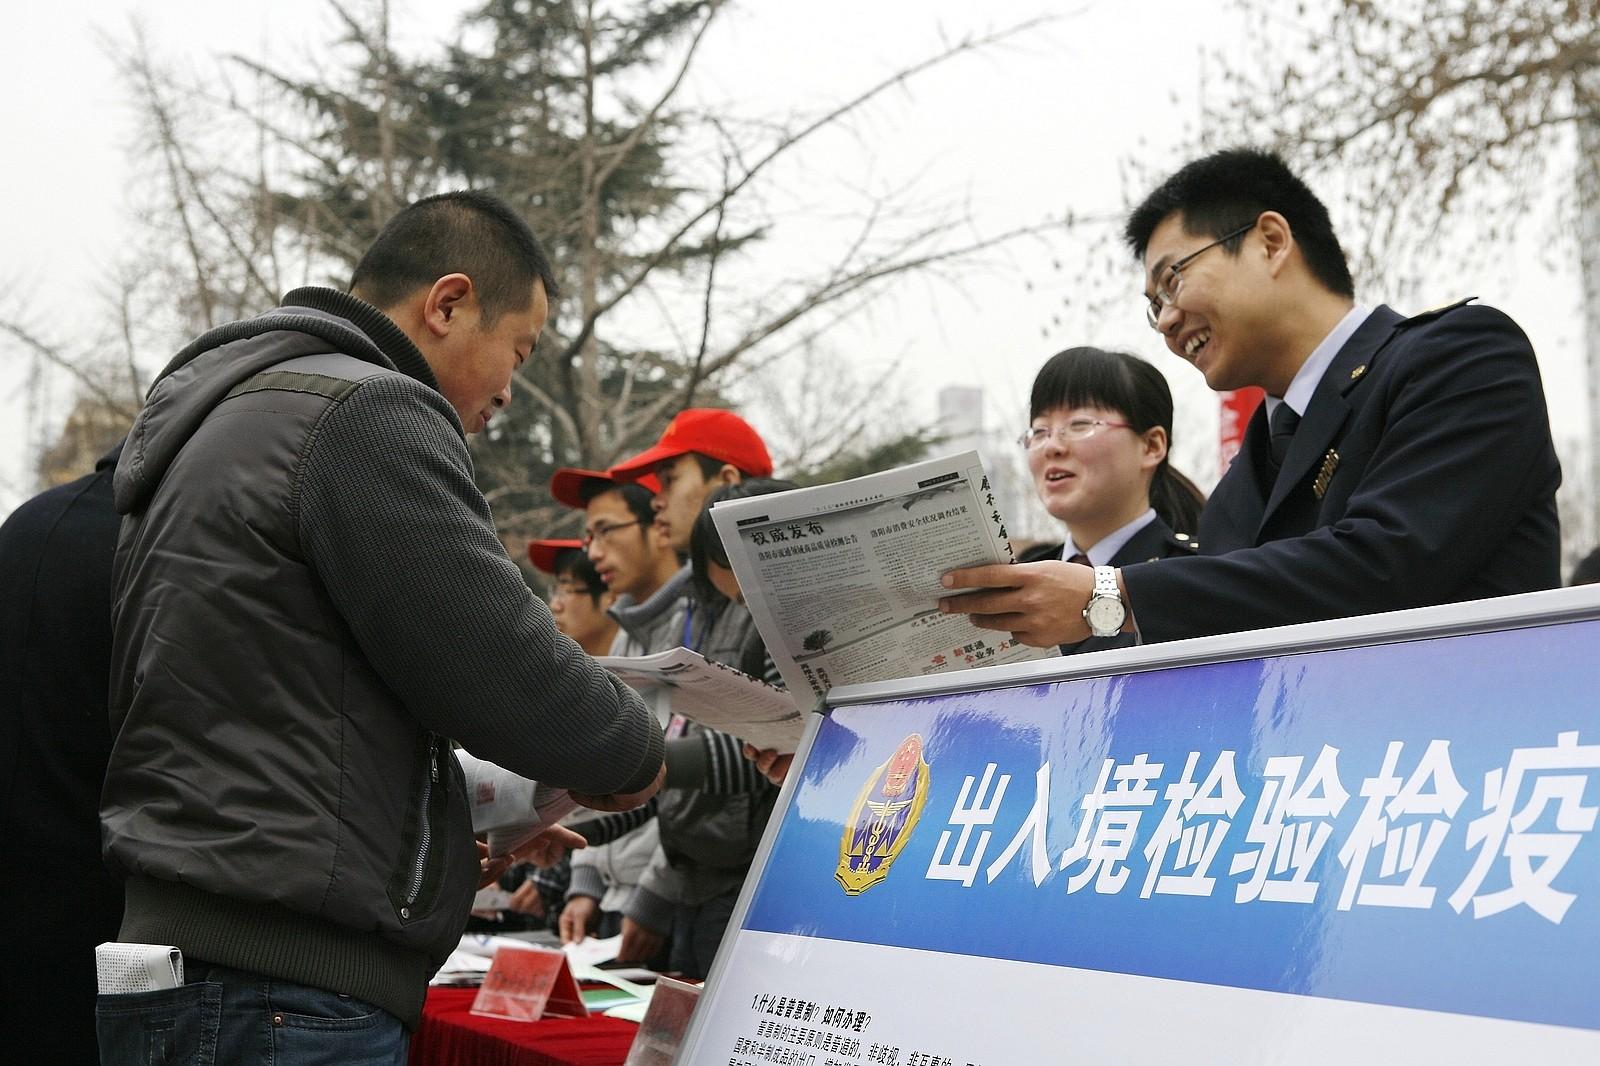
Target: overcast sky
{"type": "Point", "coordinates": [1032, 130]}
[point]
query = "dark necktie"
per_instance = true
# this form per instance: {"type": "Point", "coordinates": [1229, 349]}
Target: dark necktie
{"type": "Point", "coordinates": [1282, 424]}
{"type": "Point", "coordinates": [1081, 559]}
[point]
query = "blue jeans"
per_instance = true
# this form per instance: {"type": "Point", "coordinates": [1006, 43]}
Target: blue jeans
{"type": "Point", "coordinates": [228, 1017]}
{"type": "Point", "coordinates": [697, 931]}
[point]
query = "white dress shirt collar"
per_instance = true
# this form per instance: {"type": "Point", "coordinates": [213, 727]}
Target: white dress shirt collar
{"type": "Point", "coordinates": [1103, 552]}
{"type": "Point", "coordinates": [1300, 390]}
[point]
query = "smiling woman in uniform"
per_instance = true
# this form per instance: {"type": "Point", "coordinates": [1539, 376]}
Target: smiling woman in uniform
{"type": "Point", "coordinates": [1099, 432]}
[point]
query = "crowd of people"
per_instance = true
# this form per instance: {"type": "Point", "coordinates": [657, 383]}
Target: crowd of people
{"type": "Point", "coordinates": [243, 650]}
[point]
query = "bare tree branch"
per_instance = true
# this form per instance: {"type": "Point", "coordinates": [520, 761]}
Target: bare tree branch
{"type": "Point", "coordinates": [139, 66]}
{"type": "Point", "coordinates": [783, 146]}
{"type": "Point", "coordinates": [125, 328]}
{"type": "Point", "coordinates": [879, 269]}
{"type": "Point", "coordinates": [697, 368]}
{"type": "Point", "coordinates": [619, 154]}
{"type": "Point", "coordinates": [53, 355]}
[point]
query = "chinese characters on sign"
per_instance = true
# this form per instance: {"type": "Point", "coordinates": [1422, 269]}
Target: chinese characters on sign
{"type": "Point", "coordinates": [793, 1031]}
{"type": "Point", "coordinates": [1534, 817]}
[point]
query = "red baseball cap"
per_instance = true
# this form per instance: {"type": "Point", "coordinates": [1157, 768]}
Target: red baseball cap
{"type": "Point", "coordinates": [567, 484]}
{"type": "Point", "coordinates": [542, 553]}
{"type": "Point", "coordinates": [710, 431]}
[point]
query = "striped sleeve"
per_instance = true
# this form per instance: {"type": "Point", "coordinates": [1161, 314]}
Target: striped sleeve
{"type": "Point", "coordinates": [727, 770]}
{"type": "Point", "coordinates": [604, 828]}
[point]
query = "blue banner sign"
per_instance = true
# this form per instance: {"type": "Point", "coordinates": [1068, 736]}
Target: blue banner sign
{"type": "Point", "coordinates": [1407, 825]}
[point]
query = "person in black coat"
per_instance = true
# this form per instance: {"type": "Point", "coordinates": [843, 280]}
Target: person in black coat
{"type": "Point", "coordinates": [1397, 462]}
{"type": "Point", "coordinates": [55, 645]}
{"type": "Point", "coordinates": [1098, 439]}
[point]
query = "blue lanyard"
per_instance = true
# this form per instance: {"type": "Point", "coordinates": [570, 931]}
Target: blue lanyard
{"type": "Point", "coordinates": [688, 627]}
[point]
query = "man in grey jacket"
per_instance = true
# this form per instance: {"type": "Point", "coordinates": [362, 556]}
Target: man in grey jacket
{"type": "Point", "coordinates": [309, 603]}
{"type": "Point", "coordinates": [714, 805]}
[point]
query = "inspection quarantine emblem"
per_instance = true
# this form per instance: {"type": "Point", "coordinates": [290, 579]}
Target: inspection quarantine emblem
{"type": "Point", "coordinates": [885, 814]}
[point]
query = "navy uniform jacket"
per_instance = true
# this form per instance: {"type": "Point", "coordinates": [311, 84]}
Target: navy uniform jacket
{"type": "Point", "coordinates": [1155, 541]}
{"type": "Point", "coordinates": [1422, 473]}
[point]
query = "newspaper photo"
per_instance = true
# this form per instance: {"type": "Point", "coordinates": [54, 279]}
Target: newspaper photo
{"type": "Point", "coordinates": [843, 580]}
{"type": "Point", "coordinates": [717, 696]}
{"type": "Point", "coordinates": [509, 810]}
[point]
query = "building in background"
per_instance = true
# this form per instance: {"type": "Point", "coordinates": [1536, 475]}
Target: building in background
{"type": "Point", "coordinates": [963, 426]}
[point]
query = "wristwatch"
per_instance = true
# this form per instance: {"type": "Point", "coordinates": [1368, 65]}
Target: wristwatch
{"type": "Point", "coordinates": [1105, 612]}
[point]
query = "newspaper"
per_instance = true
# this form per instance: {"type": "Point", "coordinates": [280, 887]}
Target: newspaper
{"type": "Point", "coordinates": [507, 809]}
{"type": "Point", "coordinates": [843, 580]}
{"type": "Point", "coordinates": [717, 696]}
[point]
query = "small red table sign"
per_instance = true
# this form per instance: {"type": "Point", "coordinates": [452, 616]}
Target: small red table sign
{"type": "Point", "coordinates": [526, 984]}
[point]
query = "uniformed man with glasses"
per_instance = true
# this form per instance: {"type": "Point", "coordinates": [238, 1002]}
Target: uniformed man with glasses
{"type": "Point", "coordinates": [1397, 461]}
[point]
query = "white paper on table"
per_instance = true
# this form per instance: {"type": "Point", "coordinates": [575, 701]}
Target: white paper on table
{"type": "Point", "coordinates": [486, 944]}
{"type": "Point", "coordinates": [459, 965]}
{"type": "Point", "coordinates": [471, 959]}
{"type": "Point", "coordinates": [843, 580]}
{"type": "Point", "coordinates": [716, 696]}
{"type": "Point", "coordinates": [629, 1011]}
{"type": "Point", "coordinates": [632, 1012]}
{"type": "Point", "coordinates": [592, 951]}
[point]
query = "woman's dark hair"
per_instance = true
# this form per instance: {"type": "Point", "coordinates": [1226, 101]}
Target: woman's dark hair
{"type": "Point", "coordinates": [705, 545]}
{"type": "Point", "coordinates": [574, 565]}
{"type": "Point", "coordinates": [1116, 381]}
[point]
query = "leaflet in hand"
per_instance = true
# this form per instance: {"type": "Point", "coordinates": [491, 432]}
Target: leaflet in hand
{"type": "Point", "coordinates": [511, 810]}
{"type": "Point", "coordinates": [717, 696]}
{"type": "Point", "coordinates": [843, 580]}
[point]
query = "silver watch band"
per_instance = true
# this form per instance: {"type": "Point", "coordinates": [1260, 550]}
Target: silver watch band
{"type": "Point", "coordinates": [1105, 612]}
{"type": "Point", "coordinates": [1105, 582]}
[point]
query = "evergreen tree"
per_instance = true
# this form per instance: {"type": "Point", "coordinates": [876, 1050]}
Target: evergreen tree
{"type": "Point", "coordinates": [567, 109]}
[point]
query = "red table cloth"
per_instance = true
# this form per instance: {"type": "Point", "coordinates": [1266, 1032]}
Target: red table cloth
{"type": "Point", "coordinates": [451, 1036]}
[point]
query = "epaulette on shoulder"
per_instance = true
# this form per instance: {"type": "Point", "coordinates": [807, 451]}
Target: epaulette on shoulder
{"type": "Point", "coordinates": [1429, 316]}
{"type": "Point", "coordinates": [1187, 541]}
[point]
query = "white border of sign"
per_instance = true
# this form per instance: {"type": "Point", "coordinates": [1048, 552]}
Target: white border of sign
{"type": "Point", "coordinates": [1475, 616]}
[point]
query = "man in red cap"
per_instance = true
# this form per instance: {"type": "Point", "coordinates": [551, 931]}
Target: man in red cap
{"type": "Point", "coordinates": [714, 804]}
{"type": "Point", "coordinates": [579, 599]}
{"type": "Point", "coordinates": [631, 556]}
{"type": "Point", "coordinates": [702, 450]}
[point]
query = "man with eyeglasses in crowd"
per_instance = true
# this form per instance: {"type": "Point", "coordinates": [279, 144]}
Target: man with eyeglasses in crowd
{"type": "Point", "coordinates": [579, 598]}
{"type": "Point", "coordinates": [1397, 462]}
{"type": "Point", "coordinates": [636, 565]}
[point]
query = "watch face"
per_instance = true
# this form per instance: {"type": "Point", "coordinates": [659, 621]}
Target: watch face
{"type": "Point", "coordinates": [1105, 615]}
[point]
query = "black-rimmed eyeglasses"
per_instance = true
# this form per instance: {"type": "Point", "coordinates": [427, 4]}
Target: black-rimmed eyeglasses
{"type": "Point", "coordinates": [1170, 284]}
{"type": "Point", "coordinates": [604, 532]}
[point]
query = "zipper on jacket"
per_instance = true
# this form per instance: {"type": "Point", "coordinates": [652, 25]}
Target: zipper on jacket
{"type": "Point", "coordinates": [419, 867]}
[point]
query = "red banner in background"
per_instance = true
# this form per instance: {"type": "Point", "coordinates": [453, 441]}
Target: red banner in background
{"type": "Point", "coordinates": [1237, 407]}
